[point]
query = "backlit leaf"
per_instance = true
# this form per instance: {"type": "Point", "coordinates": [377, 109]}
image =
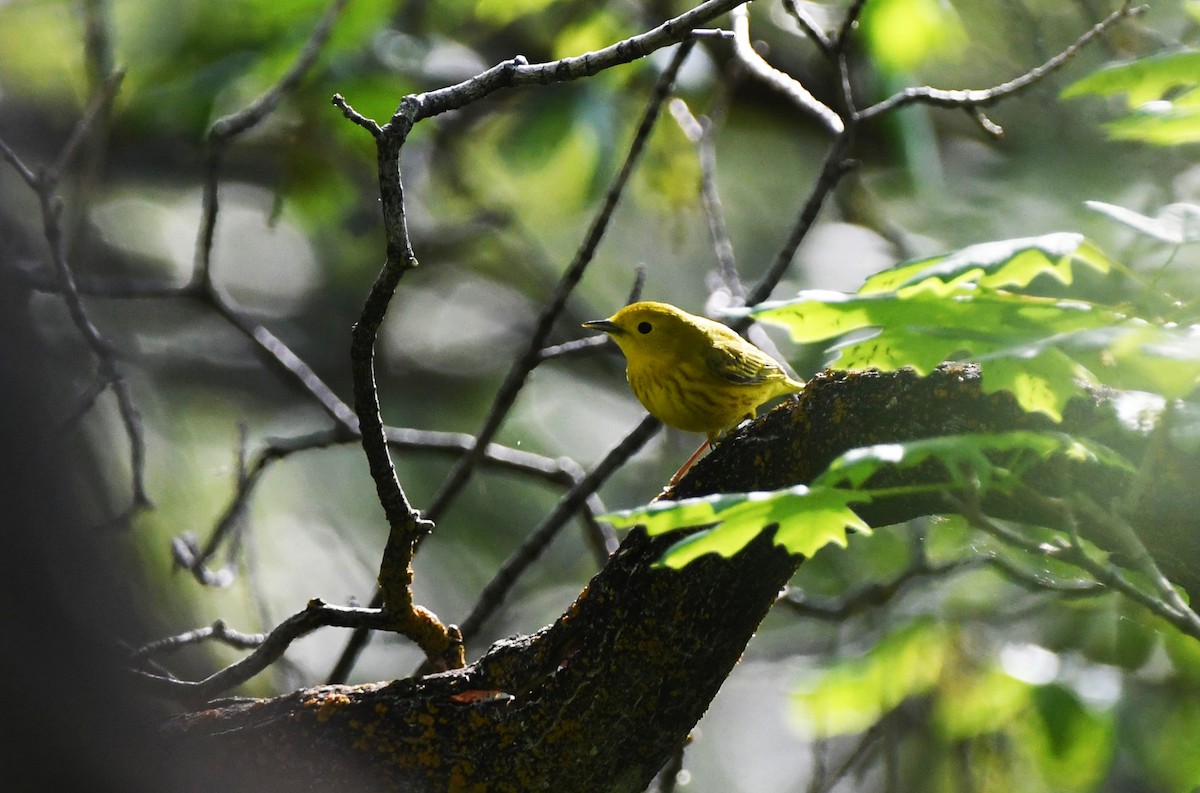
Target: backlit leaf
{"type": "Point", "coordinates": [806, 519]}
{"type": "Point", "coordinates": [966, 457]}
{"type": "Point", "coordinates": [997, 265]}
{"type": "Point", "coordinates": [1143, 80]}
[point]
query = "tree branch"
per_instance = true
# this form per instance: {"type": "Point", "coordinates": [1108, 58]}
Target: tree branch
{"type": "Point", "coordinates": [973, 99]}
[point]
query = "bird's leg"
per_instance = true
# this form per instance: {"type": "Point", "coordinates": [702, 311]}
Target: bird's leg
{"type": "Point", "coordinates": [683, 469]}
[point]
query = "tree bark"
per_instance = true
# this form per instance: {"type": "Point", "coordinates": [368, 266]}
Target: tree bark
{"type": "Point", "coordinates": [600, 700]}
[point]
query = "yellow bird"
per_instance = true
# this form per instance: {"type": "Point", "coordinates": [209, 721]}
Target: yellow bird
{"type": "Point", "coordinates": [692, 373]}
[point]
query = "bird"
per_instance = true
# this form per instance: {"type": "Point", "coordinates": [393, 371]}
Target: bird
{"type": "Point", "coordinates": [693, 373]}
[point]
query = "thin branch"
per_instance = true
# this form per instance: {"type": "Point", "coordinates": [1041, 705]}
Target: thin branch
{"type": "Point", "coordinates": [497, 590]}
{"type": "Point", "coordinates": [833, 168]}
{"type": "Point", "coordinates": [23, 170]}
{"type": "Point", "coordinates": [1073, 552]}
{"type": "Point", "coordinates": [989, 127]}
{"type": "Point", "coordinates": [1036, 581]}
{"type": "Point", "coordinates": [217, 632]}
{"type": "Point", "coordinates": [1132, 546]}
{"type": "Point", "coordinates": [859, 754]}
{"type": "Point", "coordinates": [45, 185]}
{"type": "Point", "coordinates": [188, 554]}
{"type": "Point", "coordinates": [518, 71]}
{"type": "Point", "coordinates": [97, 108]}
{"type": "Point", "coordinates": [868, 596]}
{"type": "Point", "coordinates": [589, 344]}
{"type": "Point", "coordinates": [841, 39]}
{"type": "Point", "coordinates": [972, 99]}
{"type": "Point", "coordinates": [780, 81]}
{"type": "Point", "coordinates": [317, 614]}
{"type": "Point", "coordinates": [700, 132]}
{"type": "Point", "coordinates": [810, 27]}
{"type": "Point", "coordinates": [358, 118]}
{"type": "Point", "coordinates": [226, 128]}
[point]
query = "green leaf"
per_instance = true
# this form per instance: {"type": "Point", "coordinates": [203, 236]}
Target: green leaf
{"type": "Point", "coordinates": [921, 329]}
{"type": "Point", "coordinates": [1161, 122]}
{"type": "Point", "coordinates": [1161, 93]}
{"type": "Point", "coordinates": [985, 457]}
{"type": "Point", "coordinates": [995, 265]}
{"type": "Point", "coordinates": [950, 307]}
{"type": "Point", "coordinates": [850, 696]}
{"type": "Point", "coordinates": [1143, 80]}
{"type": "Point", "coordinates": [807, 519]}
{"type": "Point", "coordinates": [1174, 223]}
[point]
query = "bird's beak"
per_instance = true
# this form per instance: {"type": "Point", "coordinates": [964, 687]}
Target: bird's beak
{"type": "Point", "coordinates": [605, 325]}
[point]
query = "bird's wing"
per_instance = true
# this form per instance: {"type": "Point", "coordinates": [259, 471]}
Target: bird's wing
{"type": "Point", "coordinates": [741, 363]}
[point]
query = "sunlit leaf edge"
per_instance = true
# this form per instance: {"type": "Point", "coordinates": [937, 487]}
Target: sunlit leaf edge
{"type": "Point", "coordinates": [963, 455]}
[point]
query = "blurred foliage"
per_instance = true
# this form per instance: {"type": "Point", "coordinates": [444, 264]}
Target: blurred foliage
{"type": "Point", "coordinates": [1161, 96]}
{"type": "Point", "coordinates": [973, 681]}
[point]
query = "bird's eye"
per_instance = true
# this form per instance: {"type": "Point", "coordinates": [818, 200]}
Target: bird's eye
{"type": "Point", "coordinates": [644, 327]}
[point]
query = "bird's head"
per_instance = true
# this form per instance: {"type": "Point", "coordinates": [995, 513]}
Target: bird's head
{"type": "Point", "coordinates": [650, 329]}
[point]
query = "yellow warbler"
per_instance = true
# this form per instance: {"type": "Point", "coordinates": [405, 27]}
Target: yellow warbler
{"type": "Point", "coordinates": [692, 373]}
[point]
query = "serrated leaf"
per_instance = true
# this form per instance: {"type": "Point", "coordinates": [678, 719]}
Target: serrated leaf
{"type": "Point", "coordinates": [1143, 80]}
{"type": "Point", "coordinates": [919, 322]}
{"type": "Point", "coordinates": [921, 329]}
{"type": "Point", "coordinates": [807, 519]}
{"type": "Point", "coordinates": [1040, 349]}
{"type": "Point", "coordinates": [967, 456]}
{"type": "Point", "coordinates": [1174, 223]}
{"type": "Point", "coordinates": [993, 265]}
{"type": "Point", "coordinates": [1042, 380]}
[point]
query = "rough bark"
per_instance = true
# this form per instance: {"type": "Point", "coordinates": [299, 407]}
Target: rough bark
{"type": "Point", "coordinates": [599, 700]}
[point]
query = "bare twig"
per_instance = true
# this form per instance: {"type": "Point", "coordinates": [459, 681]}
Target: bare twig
{"type": "Point", "coordinates": [1132, 547]}
{"type": "Point", "coordinates": [97, 108]}
{"type": "Point", "coordinates": [496, 591]}
{"type": "Point", "coordinates": [700, 132]}
{"type": "Point", "coordinates": [188, 554]}
{"type": "Point", "coordinates": [573, 347]}
{"type": "Point", "coordinates": [833, 168]}
{"type": "Point", "coordinates": [518, 71]}
{"type": "Point", "coordinates": [859, 754]}
{"type": "Point", "coordinates": [780, 81]}
{"type": "Point", "coordinates": [317, 614]}
{"type": "Point", "coordinates": [226, 128]}
{"type": "Point", "coordinates": [810, 27]}
{"type": "Point", "coordinates": [45, 185]}
{"type": "Point", "coordinates": [23, 170]}
{"type": "Point", "coordinates": [867, 596]}
{"type": "Point", "coordinates": [842, 39]}
{"type": "Point", "coordinates": [972, 99]}
{"type": "Point", "coordinates": [217, 632]}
